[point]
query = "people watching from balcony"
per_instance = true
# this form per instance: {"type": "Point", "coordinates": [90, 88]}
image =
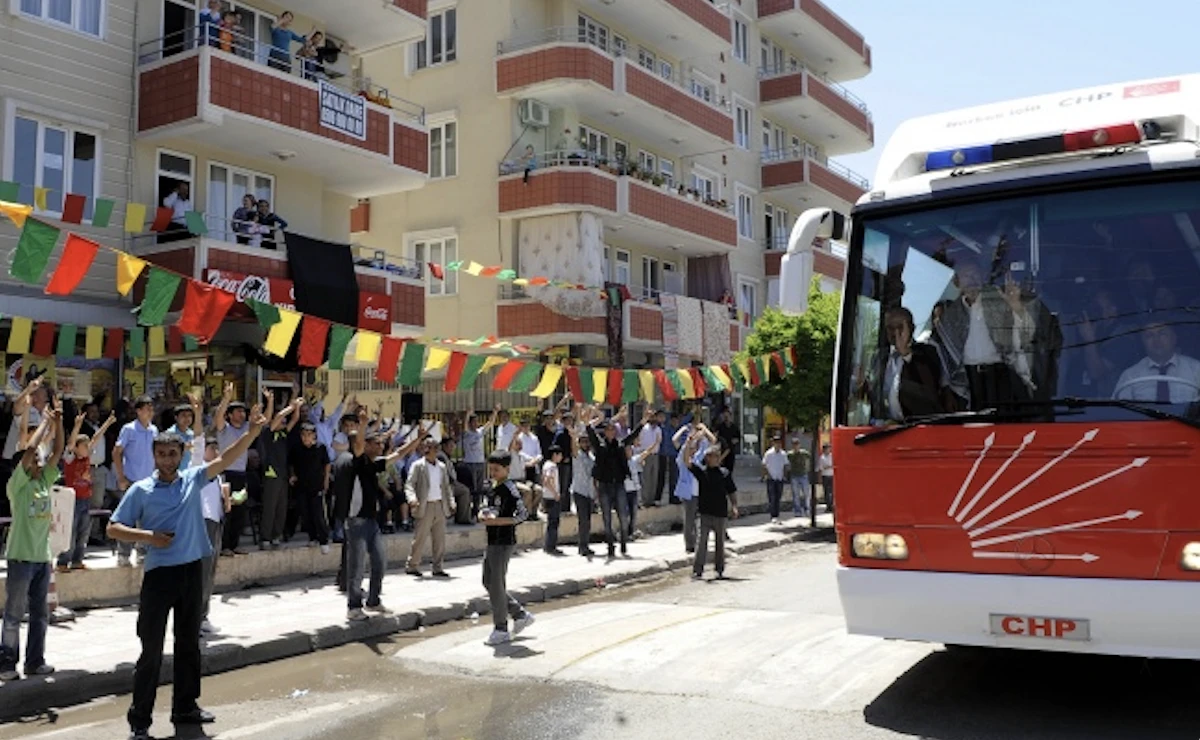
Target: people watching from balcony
{"type": "Point", "coordinates": [316, 52]}
{"type": "Point", "coordinates": [528, 161]}
{"type": "Point", "coordinates": [230, 25]}
{"type": "Point", "coordinates": [210, 23]}
{"type": "Point", "coordinates": [244, 218]}
{"type": "Point", "coordinates": [180, 202]}
{"type": "Point", "coordinates": [269, 222]}
{"type": "Point", "coordinates": [282, 37]}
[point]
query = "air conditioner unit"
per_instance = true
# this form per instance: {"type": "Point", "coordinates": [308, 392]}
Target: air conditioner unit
{"type": "Point", "coordinates": [534, 113]}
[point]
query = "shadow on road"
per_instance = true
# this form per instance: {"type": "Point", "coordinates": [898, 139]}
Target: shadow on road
{"type": "Point", "coordinates": [981, 694]}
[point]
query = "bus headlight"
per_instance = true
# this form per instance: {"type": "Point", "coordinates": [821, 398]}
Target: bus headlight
{"type": "Point", "coordinates": [880, 546]}
{"type": "Point", "coordinates": [1190, 558]}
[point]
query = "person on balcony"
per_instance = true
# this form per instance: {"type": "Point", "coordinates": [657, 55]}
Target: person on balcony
{"type": "Point", "coordinates": [180, 202]}
{"type": "Point", "coordinates": [270, 222]}
{"type": "Point", "coordinates": [210, 23]}
{"type": "Point", "coordinates": [282, 37]}
{"type": "Point", "coordinates": [244, 218]}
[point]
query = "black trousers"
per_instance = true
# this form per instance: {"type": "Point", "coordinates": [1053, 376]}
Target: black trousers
{"type": "Point", "coordinates": [312, 514]}
{"type": "Point", "coordinates": [994, 384]}
{"type": "Point", "coordinates": [235, 520]}
{"type": "Point", "coordinates": [178, 588]}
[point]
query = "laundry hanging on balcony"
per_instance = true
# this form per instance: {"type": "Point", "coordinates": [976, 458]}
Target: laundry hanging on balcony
{"type": "Point", "coordinates": [566, 248]}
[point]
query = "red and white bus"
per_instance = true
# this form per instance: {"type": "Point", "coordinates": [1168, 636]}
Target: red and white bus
{"type": "Point", "coordinates": [1016, 408]}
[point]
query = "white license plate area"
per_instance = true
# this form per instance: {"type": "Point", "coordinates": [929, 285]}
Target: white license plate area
{"type": "Point", "coordinates": [1041, 628]}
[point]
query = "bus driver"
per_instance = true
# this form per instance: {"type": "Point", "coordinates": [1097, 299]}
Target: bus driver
{"type": "Point", "coordinates": [1163, 375]}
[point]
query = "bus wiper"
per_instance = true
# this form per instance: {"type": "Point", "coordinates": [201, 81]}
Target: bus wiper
{"type": "Point", "coordinates": [955, 417]}
{"type": "Point", "coordinates": [1145, 409]}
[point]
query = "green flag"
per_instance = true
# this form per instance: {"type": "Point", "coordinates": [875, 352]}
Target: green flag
{"type": "Point", "coordinates": [268, 315]}
{"type": "Point", "coordinates": [630, 387]}
{"type": "Point", "coordinates": [66, 340]}
{"type": "Point", "coordinates": [195, 223]}
{"type": "Point", "coordinates": [586, 384]}
{"type": "Point", "coordinates": [527, 378]}
{"type": "Point", "coordinates": [137, 342]}
{"type": "Point", "coordinates": [189, 343]}
{"type": "Point", "coordinates": [712, 381]}
{"type": "Point", "coordinates": [160, 292]}
{"type": "Point", "coordinates": [10, 191]}
{"type": "Point", "coordinates": [33, 251]}
{"type": "Point", "coordinates": [471, 372]}
{"type": "Point", "coordinates": [339, 340]}
{"type": "Point", "coordinates": [676, 383]}
{"type": "Point", "coordinates": [412, 363]}
{"type": "Point", "coordinates": [102, 212]}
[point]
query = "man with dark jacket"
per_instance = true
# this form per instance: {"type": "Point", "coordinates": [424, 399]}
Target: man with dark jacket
{"type": "Point", "coordinates": [914, 383]}
{"type": "Point", "coordinates": [609, 472]}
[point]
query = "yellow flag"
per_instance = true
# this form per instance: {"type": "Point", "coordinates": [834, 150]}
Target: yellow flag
{"type": "Point", "coordinates": [128, 269]}
{"type": "Point", "coordinates": [549, 382]}
{"type": "Point", "coordinates": [39, 198]}
{"type": "Point", "coordinates": [474, 268]}
{"type": "Point", "coordinates": [94, 346]}
{"type": "Point", "coordinates": [16, 212]}
{"type": "Point", "coordinates": [19, 335]}
{"type": "Point", "coordinates": [280, 336]}
{"type": "Point", "coordinates": [520, 281]}
{"type": "Point", "coordinates": [437, 359]}
{"type": "Point", "coordinates": [685, 379]}
{"type": "Point", "coordinates": [646, 379]}
{"type": "Point", "coordinates": [158, 342]}
{"type": "Point", "coordinates": [368, 346]}
{"type": "Point", "coordinates": [743, 368]}
{"type": "Point", "coordinates": [135, 218]}
{"type": "Point", "coordinates": [722, 376]}
{"type": "Point", "coordinates": [599, 385]}
{"type": "Point", "coordinates": [492, 362]}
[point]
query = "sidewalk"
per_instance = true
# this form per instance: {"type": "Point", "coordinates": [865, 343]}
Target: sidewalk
{"type": "Point", "coordinates": [95, 654]}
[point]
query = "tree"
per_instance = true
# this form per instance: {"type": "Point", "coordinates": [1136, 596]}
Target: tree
{"type": "Point", "coordinates": [803, 396]}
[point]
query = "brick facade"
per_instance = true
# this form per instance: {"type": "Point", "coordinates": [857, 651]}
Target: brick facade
{"type": "Point", "coordinates": [532, 318]}
{"type": "Point", "coordinates": [782, 174]}
{"type": "Point", "coordinates": [822, 15]}
{"type": "Point", "coordinates": [832, 182]}
{"type": "Point", "coordinates": [671, 210]}
{"type": "Point", "coordinates": [783, 86]}
{"type": "Point", "coordinates": [169, 94]}
{"type": "Point", "coordinates": [826, 96]}
{"type": "Point", "coordinates": [661, 94]}
{"type": "Point", "coordinates": [570, 186]}
{"type": "Point", "coordinates": [408, 304]}
{"type": "Point", "coordinates": [706, 15]}
{"type": "Point", "coordinates": [410, 148]}
{"type": "Point", "coordinates": [554, 63]}
{"type": "Point", "coordinates": [824, 263]}
{"type": "Point", "coordinates": [419, 8]}
{"type": "Point", "coordinates": [247, 264]}
{"type": "Point", "coordinates": [645, 324]}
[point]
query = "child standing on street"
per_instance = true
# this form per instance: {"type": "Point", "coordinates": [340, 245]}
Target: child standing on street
{"type": "Point", "coordinates": [77, 473]}
{"type": "Point", "coordinates": [505, 511]}
{"type": "Point", "coordinates": [551, 499]}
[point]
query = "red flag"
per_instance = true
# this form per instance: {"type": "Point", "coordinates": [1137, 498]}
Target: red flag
{"type": "Point", "coordinates": [615, 386]}
{"type": "Point", "coordinates": [491, 271]}
{"type": "Point", "coordinates": [162, 219]}
{"type": "Point", "coordinates": [698, 382]}
{"type": "Point", "coordinates": [574, 386]}
{"type": "Point", "coordinates": [755, 380]}
{"type": "Point", "coordinates": [795, 355]}
{"type": "Point", "coordinates": [77, 256]}
{"type": "Point", "coordinates": [436, 270]}
{"type": "Point", "coordinates": [43, 339]}
{"type": "Point", "coordinates": [72, 212]}
{"type": "Point", "coordinates": [777, 358]}
{"type": "Point", "coordinates": [174, 340]}
{"type": "Point", "coordinates": [454, 373]}
{"type": "Point", "coordinates": [664, 385]}
{"type": "Point", "coordinates": [114, 343]}
{"type": "Point", "coordinates": [204, 308]}
{"type": "Point", "coordinates": [313, 333]}
{"type": "Point", "coordinates": [507, 374]}
{"type": "Point", "coordinates": [389, 358]}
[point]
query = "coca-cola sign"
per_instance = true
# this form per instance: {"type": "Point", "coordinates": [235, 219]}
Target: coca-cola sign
{"type": "Point", "coordinates": [375, 312]}
{"type": "Point", "coordinates": [278, 291]}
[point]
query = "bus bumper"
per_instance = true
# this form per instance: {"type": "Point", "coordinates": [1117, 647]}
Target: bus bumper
{"type": "Point", "coordinates": [1153, 619]}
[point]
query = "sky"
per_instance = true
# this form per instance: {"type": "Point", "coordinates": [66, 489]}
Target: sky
{"type": "Point", "coordinates": [931, 56]}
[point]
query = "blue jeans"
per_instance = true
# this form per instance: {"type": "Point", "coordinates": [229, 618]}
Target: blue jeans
{"type": "Point", "coordinates": [800, 495]}
{"type": "Point", "coordinates": [774, 496]}
{"type": "Point", "coordinates": [363, 539]}
{"type": "Point", "coordinates": [25, 588]}
{"type": "Point", "coordinates": [80, 527]}
{"type": "Point", "coordinates": [613, 495]}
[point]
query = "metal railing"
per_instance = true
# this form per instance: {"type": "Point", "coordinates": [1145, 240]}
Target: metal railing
{"type": "Point", "coordinates": [220, 228]}
{"type": "Point", "coordinates": [779, 70]}
{"type": "Point", "coordinates": [573, 35]}
{"type": "Point", "coordinates": [794, 153]}
{"type": "Point", "coordinates": [400, 266]}
{"type": "Point", "coordinates": [510, 292]}
{"type": "Point", "coordinates": [281, 60]}
{"type": "Point", "coordinates": [775, 242]}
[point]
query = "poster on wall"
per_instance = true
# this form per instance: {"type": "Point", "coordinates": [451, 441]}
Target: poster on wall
{"type": "Point", "coordinates": [343, 112]}
{"type": "Point", "coordinates": [21, 370]}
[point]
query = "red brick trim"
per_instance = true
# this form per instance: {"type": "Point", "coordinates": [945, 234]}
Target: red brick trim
{"type": "Point", "coordinates": [410, 148]}
{"type": "Point", "coordinates": [781, 174]}
{"type": "Point", "coordinates": [531, 318]}
{"type": "Point", "coordinates": [825, 179]}
{"type": "Point", "coordinates": [671, 210]}
{"type": "Point", "coordinates": [666, 96]}
{"type": "Point", "coordinates": [554, 63]}
{"type": "Point", "coordinates": [169, 94]}
{"type": "Point", "coordinates": [706, 15]}
{"type": "Point", "coordinates": [569, 186]}
{"type": "Point", "coordinates": [419, 8]}
{"type": "Point", "coordinates": [645, 324]}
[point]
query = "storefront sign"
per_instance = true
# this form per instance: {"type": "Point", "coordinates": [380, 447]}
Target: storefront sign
{"type": "Point", "coordinates": [265, 290]}
{"type": "Point", "coordinates": [375, 312]}
{"type": "Point", "coordinates": [343, 112]}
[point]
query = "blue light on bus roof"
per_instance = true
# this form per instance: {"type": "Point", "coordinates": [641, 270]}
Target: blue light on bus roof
{"type": "Point", "coordinates": [960, 157]}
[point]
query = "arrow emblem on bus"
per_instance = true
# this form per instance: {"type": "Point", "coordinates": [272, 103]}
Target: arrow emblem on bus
{"type": "Point", "coordinates": [1086, 557]}
{"type": "Point", "coordinates": [995, 476]}
{"type": "Point", "coordinates": [1130, 515]}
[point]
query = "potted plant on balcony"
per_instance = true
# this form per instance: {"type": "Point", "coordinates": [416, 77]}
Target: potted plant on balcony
{"type": "Point", "coordinates": [659, 182]}
{"type": "Point", "coordinates": [682, 191]}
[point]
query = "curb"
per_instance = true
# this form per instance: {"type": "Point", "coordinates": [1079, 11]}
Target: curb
{"type": "Point", "coordinates": [70, 688]}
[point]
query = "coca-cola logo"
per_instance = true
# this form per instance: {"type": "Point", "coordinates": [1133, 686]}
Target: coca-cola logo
{"type": "Point", "coordinates": [379, 314]}
{"type": "Point", "coordinates": [245, 287]}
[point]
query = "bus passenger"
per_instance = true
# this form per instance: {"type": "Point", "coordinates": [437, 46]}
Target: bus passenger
{"type": "Point", "coordinates": [913, 381]}
{"type": "Point", "coordinates": [1180, 374]}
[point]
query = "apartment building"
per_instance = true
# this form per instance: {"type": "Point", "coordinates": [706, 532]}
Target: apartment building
{"type": "Point", "coordinates": [666, 145]}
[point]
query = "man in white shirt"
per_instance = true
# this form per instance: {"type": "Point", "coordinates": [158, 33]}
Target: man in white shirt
{"type": "Point", "coordinates": [650, 439]}
{"type": "Point", "coordinates": [775, 467]}
{"type": "Point", "coordinates": [825, 463]}
{"type": "Point", "coordinates": [1163, 376]}
{"type": "Point", "coordinates": [505, 430]}
{"type": "Point", "coordinates": [180, 202]}
{"type": "Point", "coordinates": [431, 501]}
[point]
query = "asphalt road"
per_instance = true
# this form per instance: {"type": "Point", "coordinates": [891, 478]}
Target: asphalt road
{"type": "Point", "coordinates": [764, 655]}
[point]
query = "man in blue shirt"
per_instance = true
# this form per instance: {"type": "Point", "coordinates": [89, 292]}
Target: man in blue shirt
{"type": "Point", "coordinates": [165, 512]}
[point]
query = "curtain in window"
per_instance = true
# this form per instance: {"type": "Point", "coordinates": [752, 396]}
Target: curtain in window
{"type": "Point", "coordinates": [569, 247]}
{"type": "Point", "coordinates": [709, 277]}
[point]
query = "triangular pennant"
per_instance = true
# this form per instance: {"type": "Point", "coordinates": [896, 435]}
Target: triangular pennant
{"type": "Point", "coordinates": [712, 380]}
{"type": "Point", "coordinates": [663, 378]}
{"type": "Point", "coordinates": [128, 270]}
{"type": "Point", "coordinates": [15, 212]}
{"type": "Point", "coordinates": [77, 256]}
{"type": "Point", "coordinates": [458, 362]}
{"type": "Point", "coordinates": [161, 287]}
{"type": "Point", "coordinates": [205, 307]}
{"type": "Point", "coordinates": [471, 372]}
{"type": "Point", "coordinates": [438, 358]}
{"type": "Point", "coordinates": [33, 251]}
{"type": "Point", "coordinates": [266, 313]}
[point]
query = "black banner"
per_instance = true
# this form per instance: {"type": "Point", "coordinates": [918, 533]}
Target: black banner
{"type": "Point", "coordinates": [614, 325]}
{"type": "Point", "coordinates": [323, 274]}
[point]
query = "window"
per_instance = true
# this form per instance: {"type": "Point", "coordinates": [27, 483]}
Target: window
{"type": "Point", "coordinates": [741, 40]}
{"type": "Point", "coordinates": [439, 252]}
{"type": "Point", "coordinates": [597, 142]}
{"type": "Point", "coordinates": [666, 70]}
{"type": "Point", "coordinates": [745, 211]}
{"type": "Point", "coordinates": [747, 296]}
{"type": "Point", "coordinates": [702, 88]}
{"type": "Point", "coordinates": [622, 269]}
{"type": "Point", "coordinates": [443, 150]}
{"type": "Point", "coordinates": [650, 277]}
{"type": "Point", "coordinates": [591, 32]}
{"type": "Point", "coordinates": [56, 157]}
{"type": "Point", "coordinates": [619, 45]}
{"type": "Point", "coordinates": [672, 279]}
{"type": "Point", "coordinates": [666, 168]}
{"type": "Point", "coordinates": [646, 58]}
{"type": "Point", "coordinates": [440, 43]}
{"type": "Point", "coordinates": [742, 125]}
{"type": "Point", "coordinates": [647, 162]}
{"type": "Point", "coordinates": [770, 57]}
{"type": "Point", "coordinates": [620, 151]}
{"type": "Point", "coordinates": [227, 186]}
{"type": "Point", "coordinates": [82, 15]}
{"type": "Point", "coordinates": [705, 183]}
{"type": "Point", "coordinates": [173, 168]}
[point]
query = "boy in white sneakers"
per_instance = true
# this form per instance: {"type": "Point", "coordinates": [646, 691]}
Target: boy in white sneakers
{"type": "Point", "coordinates": [505, 511]}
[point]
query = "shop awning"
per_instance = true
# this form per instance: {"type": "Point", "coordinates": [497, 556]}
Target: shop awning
{"type": "Point", "coordinates": [66, 310]}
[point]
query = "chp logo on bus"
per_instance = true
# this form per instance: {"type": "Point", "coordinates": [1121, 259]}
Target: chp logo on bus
{"type": "Point", "coordinates": [974, 508]}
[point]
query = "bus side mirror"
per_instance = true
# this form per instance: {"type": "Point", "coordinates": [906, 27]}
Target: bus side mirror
{"type": "Point", "coordinates": [796, 267]}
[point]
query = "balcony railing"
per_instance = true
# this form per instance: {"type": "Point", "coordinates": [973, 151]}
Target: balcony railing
{"type": "Point", "coordinates": [283, 61]}
{"type": "Point", "coordinates": [640, 293]}
{"type": "Point", "coordinates": [793, 153]}
{"type": "Point", "coordinates": [573, 35]}
{"type": "Point", "coordinates": [789, 69]}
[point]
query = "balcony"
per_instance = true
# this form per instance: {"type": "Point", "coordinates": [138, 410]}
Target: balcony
{"type": "Point", "coordinates": [643, 212]}
{"type": "Point", "coordinates": [827, 111]}
{"type": "Point", "coordinates": [368, 25]}
{"type": "Point", "coordinates": [824, 262]}
{"type": "Point", "coordinates": [683, 28]}
{"type": "Point", "coordinates": [357, 138]}
{"type": "Point", "coordinates": [803, 181]}
{"type": "Point", "coordinates": [254, 272]}
{"type": "Point", "coordinates": [827, 40]}
{"type": "Point", "coordinates": [557, 68]}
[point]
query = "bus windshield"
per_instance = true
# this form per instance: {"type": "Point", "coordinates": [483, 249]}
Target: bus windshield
{"type": "Point", "coordinates": [1092, 294]}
